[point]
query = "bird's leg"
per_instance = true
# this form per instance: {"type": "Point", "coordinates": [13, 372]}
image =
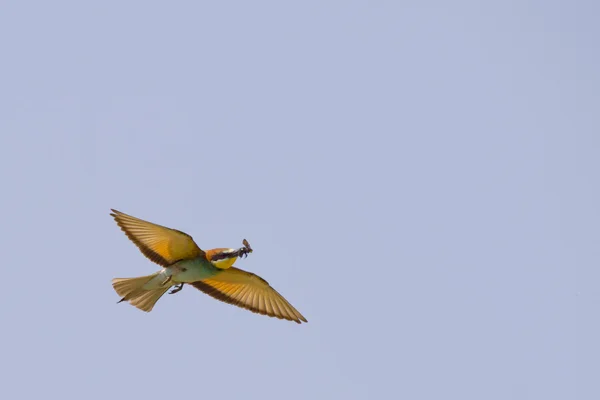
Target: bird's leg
{"type": "Point", "coordinates": [177, 288]}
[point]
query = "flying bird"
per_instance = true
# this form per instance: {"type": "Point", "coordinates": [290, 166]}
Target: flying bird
{"type": "Point", "coordinates": [210, 271]}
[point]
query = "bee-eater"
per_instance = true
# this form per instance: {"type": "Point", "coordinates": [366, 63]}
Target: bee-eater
{"type": "Point", "coordinates": [210, 271]}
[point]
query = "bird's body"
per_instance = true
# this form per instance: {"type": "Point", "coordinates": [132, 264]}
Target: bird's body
{"type": "Point", "coordinates": [190, 271]}
{"type": "Point", "coordinates": [184, 262]}
{"type": "Point", "coordinates": [185, 271]}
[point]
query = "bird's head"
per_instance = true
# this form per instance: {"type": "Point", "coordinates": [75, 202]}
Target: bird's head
{"type": "Point", "coordinates": [224, 258]}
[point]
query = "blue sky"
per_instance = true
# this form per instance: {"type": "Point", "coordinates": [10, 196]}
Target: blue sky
{"type": "Point", "coordinates": [420, 179]}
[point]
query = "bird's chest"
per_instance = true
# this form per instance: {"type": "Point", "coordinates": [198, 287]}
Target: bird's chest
{"type": "Point", "coordinates": [188, 271]}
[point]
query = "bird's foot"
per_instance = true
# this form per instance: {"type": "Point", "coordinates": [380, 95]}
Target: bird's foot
{"type": "Point", "coordinates": [177, 289]}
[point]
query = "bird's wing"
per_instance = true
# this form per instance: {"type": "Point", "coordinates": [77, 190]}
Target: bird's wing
{"type": "Point", "coordinates": [247, 290]}
{"type": "Point", "coordinates": [160, 244]}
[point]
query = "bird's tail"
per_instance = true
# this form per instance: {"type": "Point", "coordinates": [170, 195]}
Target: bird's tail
{"type": "Point", "coordinates": [133, 290]}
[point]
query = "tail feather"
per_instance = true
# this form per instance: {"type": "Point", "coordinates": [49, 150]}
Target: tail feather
{"type": "Point", "coordinates": [132, 290]}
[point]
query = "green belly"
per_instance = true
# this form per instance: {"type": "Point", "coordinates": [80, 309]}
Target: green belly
{"type": "Point", "coordinates": [188, 271]}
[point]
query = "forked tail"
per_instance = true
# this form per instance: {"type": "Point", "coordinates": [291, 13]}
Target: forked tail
{"type": "Point", "coordinates": [132, 290]}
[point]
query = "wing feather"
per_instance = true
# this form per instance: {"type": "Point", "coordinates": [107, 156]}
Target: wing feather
{"type": "Point", "coordinates": [247, 290]}
{"type": "Point", "coordinates": [160, 244]}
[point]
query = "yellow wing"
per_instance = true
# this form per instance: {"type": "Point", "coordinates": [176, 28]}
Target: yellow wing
{"type": "Point", "coordinates": [160, 244]}
{"type": "Point", "coordinates": [247, 290]}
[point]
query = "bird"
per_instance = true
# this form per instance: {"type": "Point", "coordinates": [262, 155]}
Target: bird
{"type": "Point", "coordinates": [211, 272]}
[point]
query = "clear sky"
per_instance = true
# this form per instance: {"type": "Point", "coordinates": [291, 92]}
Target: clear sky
{"type": "Point", "coordinates": [419, 178]}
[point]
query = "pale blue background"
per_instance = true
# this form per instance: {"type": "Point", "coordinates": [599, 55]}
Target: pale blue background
{"type": "Point", "coordinates": [420, 179]}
